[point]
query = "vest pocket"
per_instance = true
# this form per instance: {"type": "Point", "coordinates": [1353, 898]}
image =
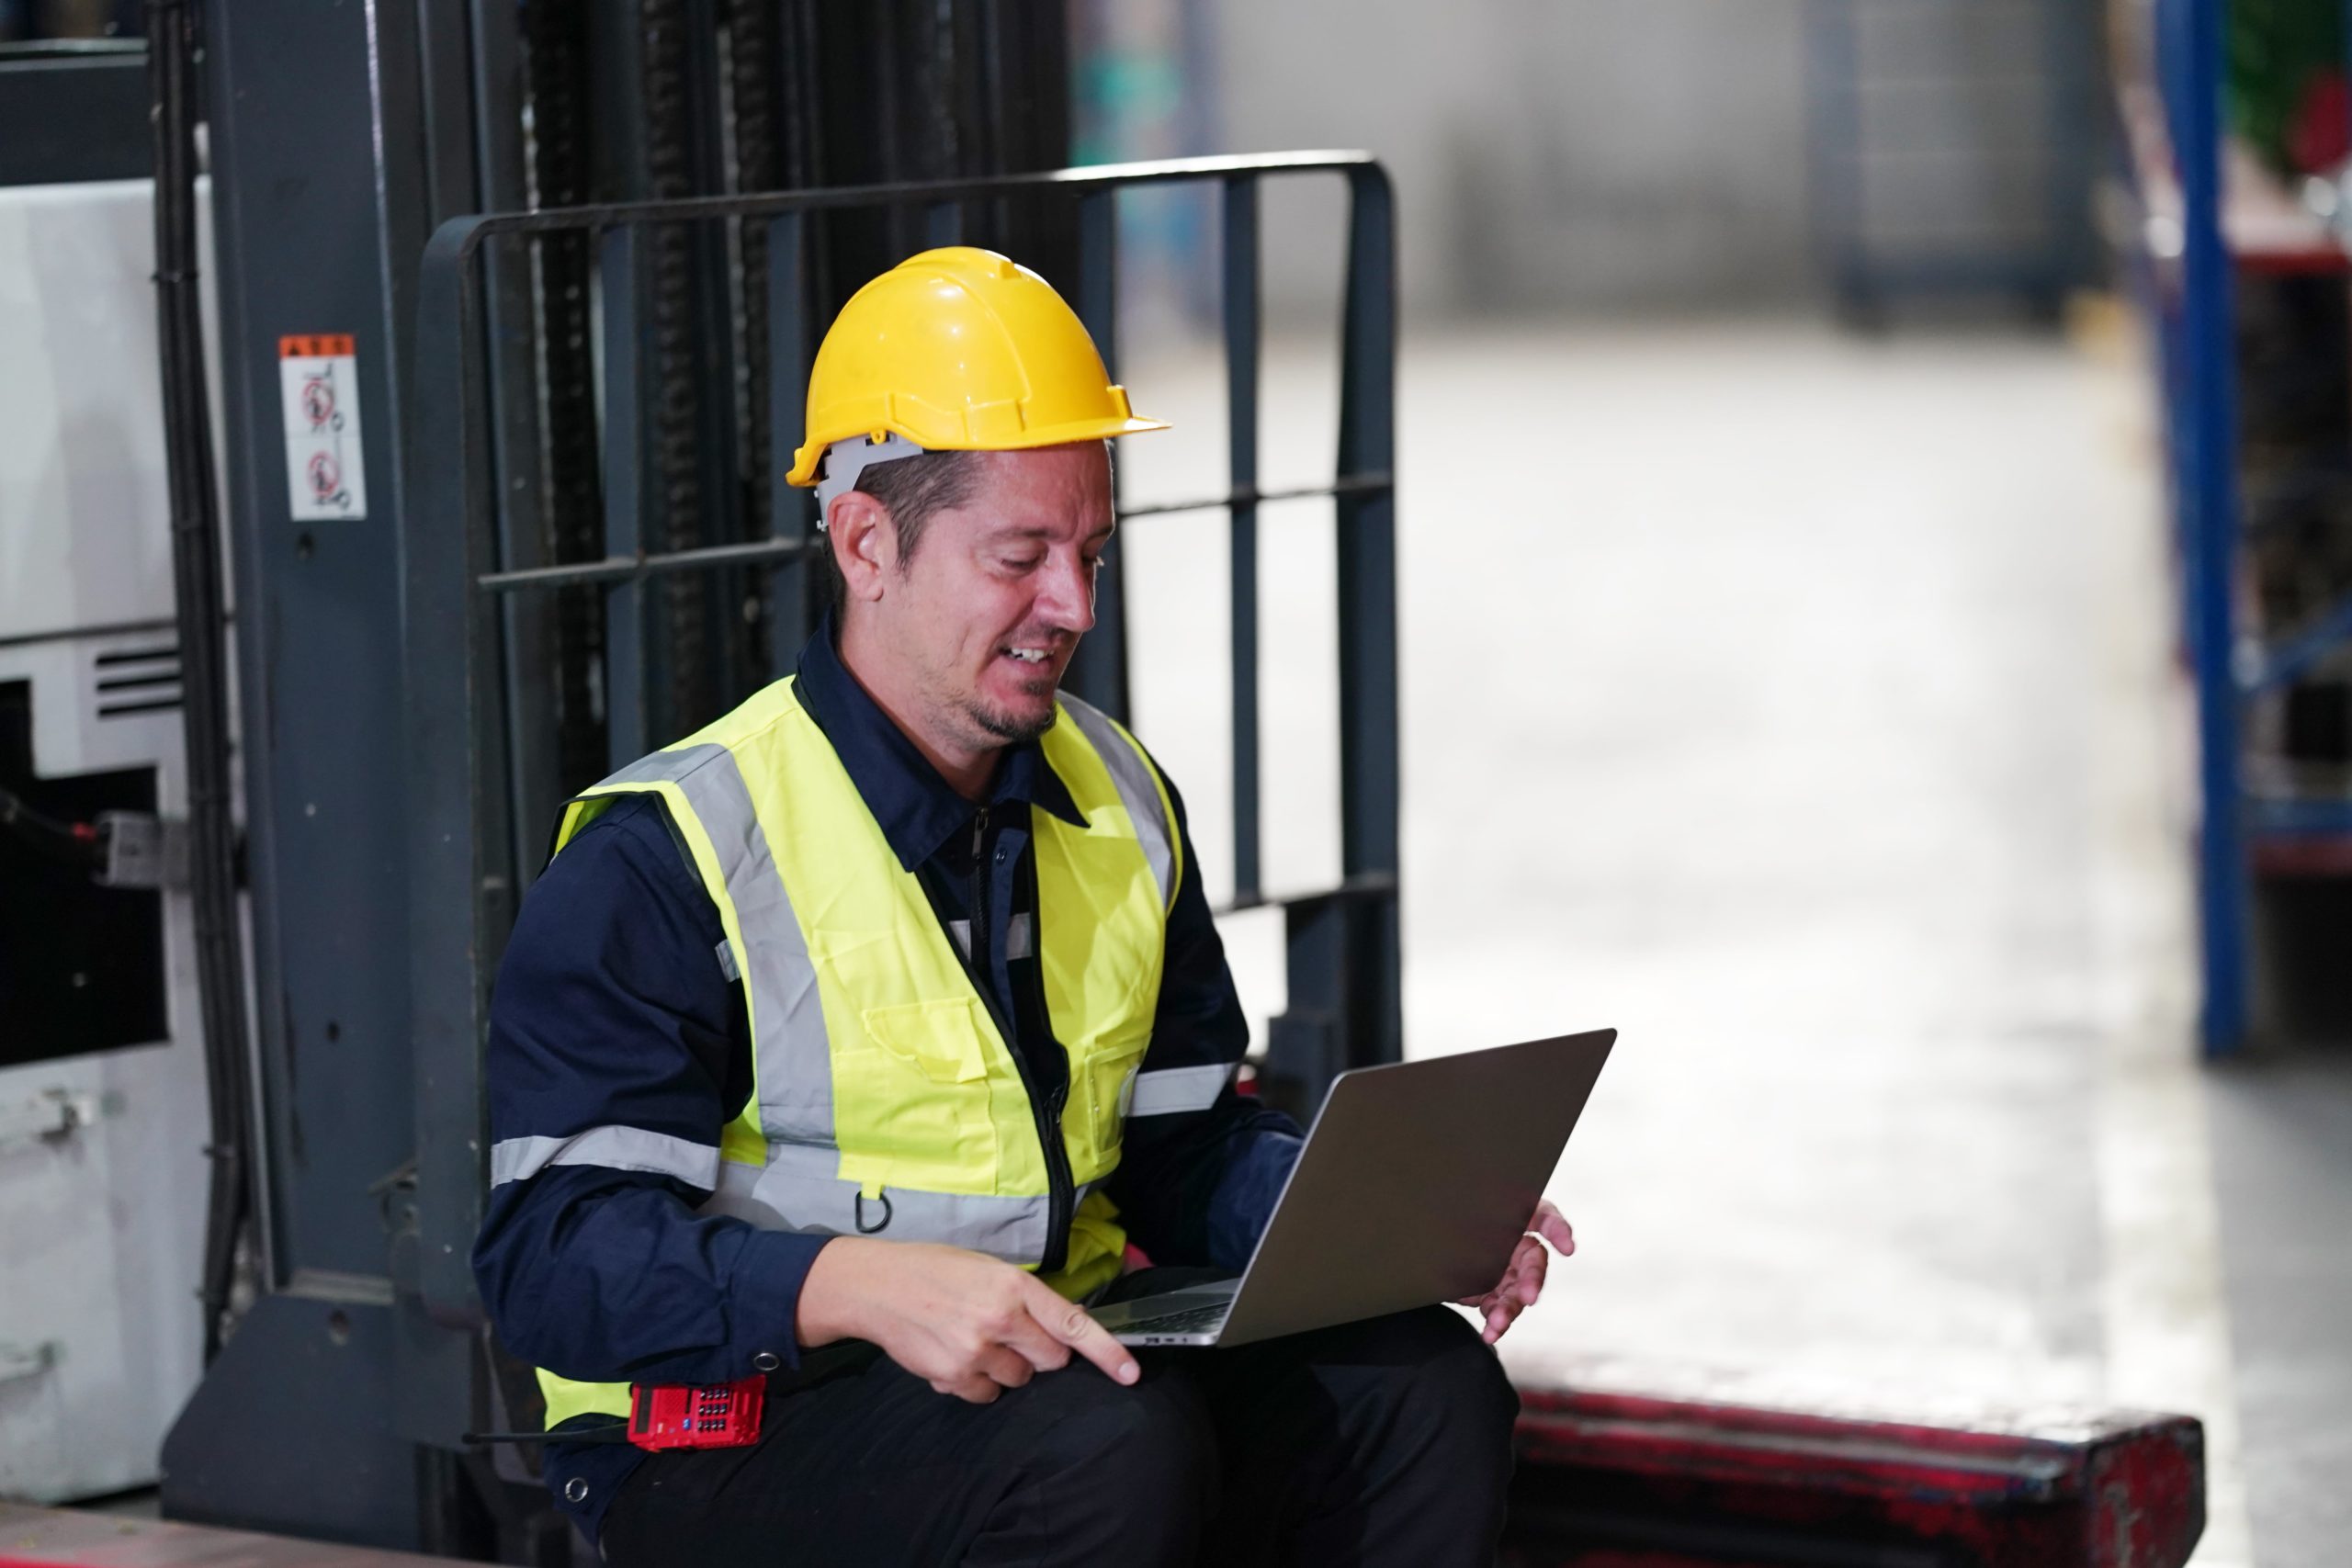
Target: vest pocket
{"type": "Point", "coordinates": [912, 1099]}
{"type": "Point", "coordinates": [1109, 1076]}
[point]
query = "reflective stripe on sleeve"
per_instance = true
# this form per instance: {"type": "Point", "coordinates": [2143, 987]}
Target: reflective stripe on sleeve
{"type": "Point", "coordinates": [1138, 792]}
{"type": "Point", "coordinates": [615, 1148]}
{"type": "Point", "coordinates": [1173, 1089]}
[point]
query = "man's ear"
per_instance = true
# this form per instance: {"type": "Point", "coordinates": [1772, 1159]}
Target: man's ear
{"type": "Point", "coordinates": [863, 542]}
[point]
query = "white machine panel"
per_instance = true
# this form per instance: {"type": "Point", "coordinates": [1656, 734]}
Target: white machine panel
{"type": "Point", "coordinates": [83, 535]}
{"type": "Point", "coordinates": [102, 1174]}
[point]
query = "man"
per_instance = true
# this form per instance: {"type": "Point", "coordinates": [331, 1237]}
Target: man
{"type": "Point", "coordinates": [852, 1040]}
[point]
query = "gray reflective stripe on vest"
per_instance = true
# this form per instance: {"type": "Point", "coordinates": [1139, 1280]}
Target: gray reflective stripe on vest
{"type": "Point", "coordinates": [1017, 942]}
{"type": "Point", "coordinates": [1173, 1089]}
{"type": "Point", "coordinates": [1131, 776]}
{"type": "Point", "coordinates": [795, 1063]}
{"type": "Point", "coordinates": [798, 1191]}
{"type": "Point", "coordinates": [614, 1148]}
{"type": "Point", "coordinates": [664, 767]}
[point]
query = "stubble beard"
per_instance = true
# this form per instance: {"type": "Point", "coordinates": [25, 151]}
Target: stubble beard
{"type": "Point", "coordinates": [1012, 729]}
{"type": "Point", "coordinates": [981, 721]}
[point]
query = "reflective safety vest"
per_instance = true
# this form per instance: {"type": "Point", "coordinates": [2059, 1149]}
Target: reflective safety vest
{"type": "Point", "coordinates": [886, 1098]}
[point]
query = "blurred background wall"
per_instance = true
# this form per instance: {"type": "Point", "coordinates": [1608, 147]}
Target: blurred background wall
{"type": "Point", "coordinates": [1599, 153]}
{"type": "Point", "coordinates": [1606, 155]}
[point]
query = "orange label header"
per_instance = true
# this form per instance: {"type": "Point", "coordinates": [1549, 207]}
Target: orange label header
{"type": "Point", "coordinates": [315, 345]}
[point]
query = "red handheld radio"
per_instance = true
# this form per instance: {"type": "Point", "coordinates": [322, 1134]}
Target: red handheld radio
{"type": "Point", "coordinates": [696, 1415]}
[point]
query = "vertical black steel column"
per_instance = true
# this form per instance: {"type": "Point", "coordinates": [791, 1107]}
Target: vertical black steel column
{"type": "Point", "coordinates": [1099, 672]}
{"type": "Point", "coordinates": [1343, 951]}
{"type": "Point", "coordinates": [556, 81]}
{"type": "Point", "coordinates": [1306, 1043]}
{"type": "Point", "coordinates": [629, 483]}
{"type": "Point", "coordinates": [790, 510]}
{"type": "Point", "coordinates": [706, 377]}
{"type": "Point", "coordinates": [1241, 371]}
{"type": "Point", "coordinates": [753, 74]}
{"type": "Point", "coordinates": [454, 750]}
{"type": "Point", "coordinates": [490, 73]}
{"type": "Point", "coordinates": [676, 515]}
{"type": "Point", "coordinates": [1367, 561]}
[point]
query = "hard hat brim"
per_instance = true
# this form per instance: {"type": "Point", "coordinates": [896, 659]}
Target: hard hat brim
{"type": "Point", "coordinates": [806, 460]}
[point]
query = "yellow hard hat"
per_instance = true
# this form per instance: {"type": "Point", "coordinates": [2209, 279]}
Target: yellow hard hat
{"type": "Point", "coordinates": [959, 349]}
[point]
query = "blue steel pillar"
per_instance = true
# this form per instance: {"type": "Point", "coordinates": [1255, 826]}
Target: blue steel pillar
{"type": "Point", "coordinates": [2191, 60]}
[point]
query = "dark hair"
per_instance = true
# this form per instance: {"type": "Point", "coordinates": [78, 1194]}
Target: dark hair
{"type": "Point", "coordinates": [913, 490]}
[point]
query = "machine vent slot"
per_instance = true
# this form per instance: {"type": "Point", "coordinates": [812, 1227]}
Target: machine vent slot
{"type": "Point", "coordinates": [137, 680]}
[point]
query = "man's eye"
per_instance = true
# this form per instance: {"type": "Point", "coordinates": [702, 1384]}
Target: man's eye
{"type": "Point", "coordinates": [1023, 563]}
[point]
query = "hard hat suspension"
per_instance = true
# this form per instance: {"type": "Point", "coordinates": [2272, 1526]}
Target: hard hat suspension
{"type": "Point", "coordinates": [846, 460]}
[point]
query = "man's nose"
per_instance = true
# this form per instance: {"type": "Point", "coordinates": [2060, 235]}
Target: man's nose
{"type": "Point", "coordinates": [1066, 597]}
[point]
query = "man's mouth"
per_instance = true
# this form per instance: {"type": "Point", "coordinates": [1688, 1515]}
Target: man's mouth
{"type": "Point", "coordinates": [1029, 655]}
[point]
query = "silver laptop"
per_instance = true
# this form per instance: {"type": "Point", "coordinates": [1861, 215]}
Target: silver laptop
{"type": "Point", "coordinates": [1415, 1183]}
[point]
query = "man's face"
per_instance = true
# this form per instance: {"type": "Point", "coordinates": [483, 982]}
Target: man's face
{"type": "Point", "coordinates": [986, 614]}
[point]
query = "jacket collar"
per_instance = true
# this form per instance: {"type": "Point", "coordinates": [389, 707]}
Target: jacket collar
{"type": "Point", "coordinates": [919, 811]}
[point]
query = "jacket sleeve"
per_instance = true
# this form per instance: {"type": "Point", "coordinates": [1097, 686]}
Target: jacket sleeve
{"type": "Point", "coordinates": [1200, 1165]}
{"type": "Point", "coordinates": [618, 1052]}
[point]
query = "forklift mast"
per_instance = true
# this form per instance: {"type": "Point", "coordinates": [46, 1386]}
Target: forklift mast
{"type": "Point", "coordinates": [561, 269]}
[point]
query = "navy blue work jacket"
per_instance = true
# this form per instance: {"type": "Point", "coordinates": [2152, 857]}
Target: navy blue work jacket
{"type": "Point", "coordinates": [611, 1009]}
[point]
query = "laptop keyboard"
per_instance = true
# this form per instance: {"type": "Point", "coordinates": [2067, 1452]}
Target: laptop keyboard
{"type": "Point", "coordinates": [1193, 1320]}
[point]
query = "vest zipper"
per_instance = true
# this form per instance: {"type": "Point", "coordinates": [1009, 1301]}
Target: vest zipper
{"type": "Point", "coordinates": [1060, 1188]}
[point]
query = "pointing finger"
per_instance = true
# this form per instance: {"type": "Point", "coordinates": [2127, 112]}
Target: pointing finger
{"type": "Point", "coordinates": [1030, 1340]}
{"type": "Point", "coordinates": [1068, 1322]}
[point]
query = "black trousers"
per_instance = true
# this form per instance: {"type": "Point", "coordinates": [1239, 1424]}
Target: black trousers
{"type": "Point", "coordinates": [1387, 1441]}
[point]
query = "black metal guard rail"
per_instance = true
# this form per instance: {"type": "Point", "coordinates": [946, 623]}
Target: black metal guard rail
{"type": "Point", "coordinates": [614, 568]}
{"type": "Point", "coordinates": [760, 552]}
{"type": "Point", "coordinates": [1250, 497]}
{"type": "Point", "coordinates": [463, 234]}
{"type": "Point", "coordinates": [465, 865]}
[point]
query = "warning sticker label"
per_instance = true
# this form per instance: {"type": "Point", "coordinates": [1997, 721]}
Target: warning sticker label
{"type": "Point", "coordinates": [318, 381]}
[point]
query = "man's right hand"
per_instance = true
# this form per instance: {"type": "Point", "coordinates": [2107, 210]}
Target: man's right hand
{"type": "Point", "coordinates": [970, 1324]}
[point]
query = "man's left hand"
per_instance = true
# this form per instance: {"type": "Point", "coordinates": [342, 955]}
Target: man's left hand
{"type": "Point", "coordinates": [1524, 1280]}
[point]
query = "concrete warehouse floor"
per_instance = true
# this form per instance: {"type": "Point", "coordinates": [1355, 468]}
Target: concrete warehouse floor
{"type": "Point", "coordinates": [1803, 706]}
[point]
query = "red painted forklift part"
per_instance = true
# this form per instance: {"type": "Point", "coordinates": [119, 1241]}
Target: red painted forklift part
{"type": "Point", "coordinates": [65, 1538]}
{"type": "Point", "coordinates": [1627, 1481]}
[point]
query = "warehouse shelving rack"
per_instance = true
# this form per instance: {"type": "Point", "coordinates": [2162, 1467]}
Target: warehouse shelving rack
{"type": "Point", "coordinates": [2208, 213]}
